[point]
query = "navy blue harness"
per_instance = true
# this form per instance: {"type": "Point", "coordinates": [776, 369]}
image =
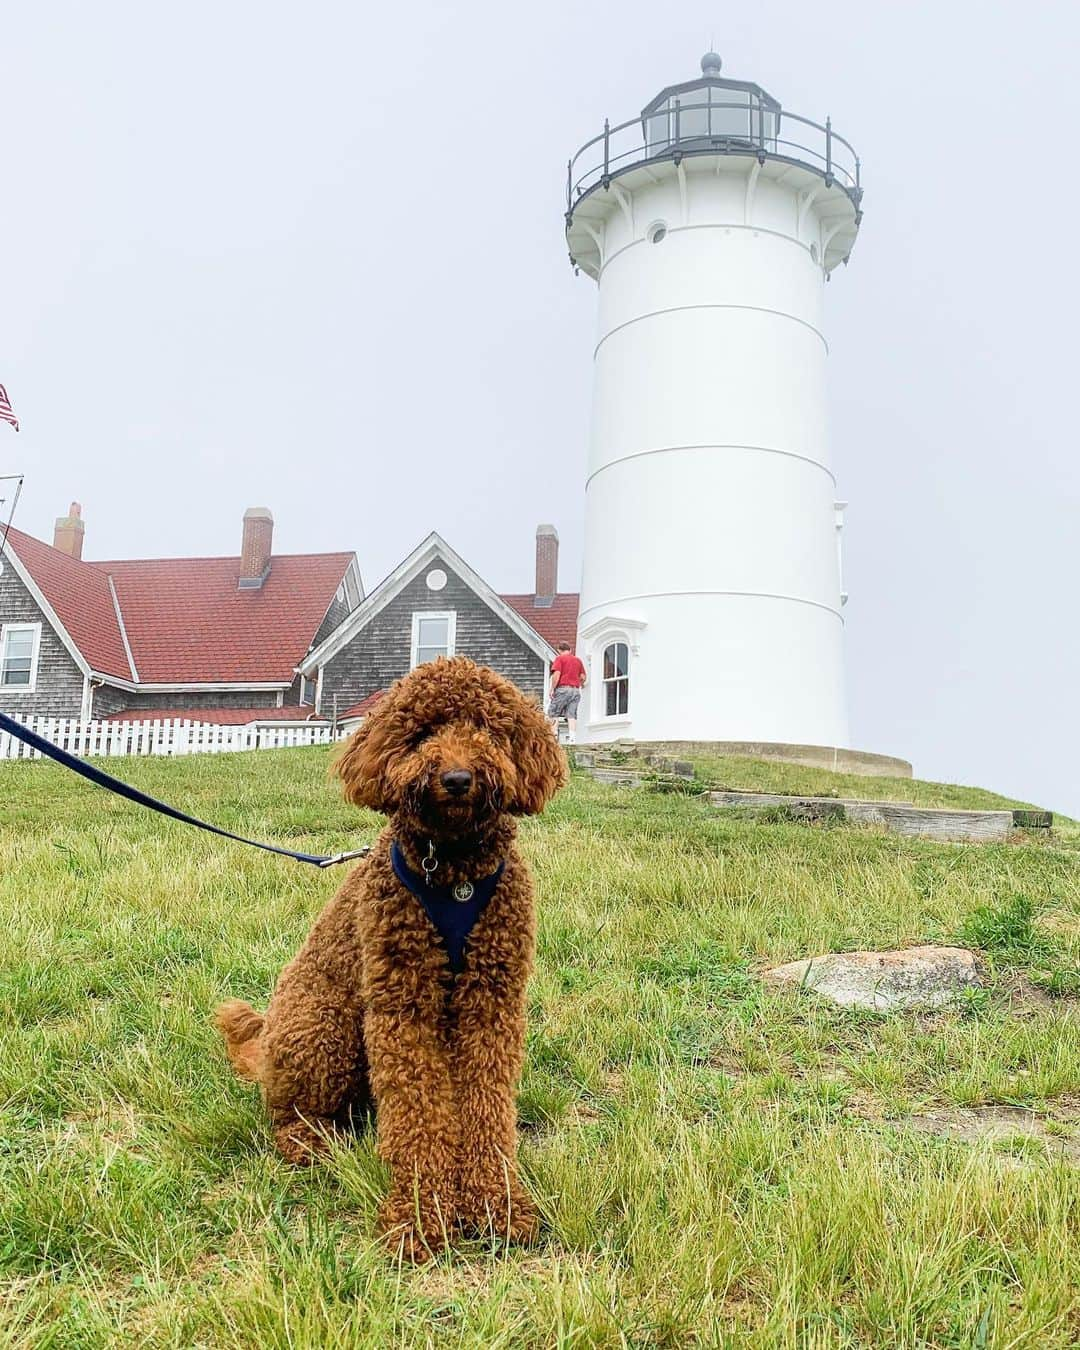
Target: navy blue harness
{"type": "Point", "coordinates": [453, 918]}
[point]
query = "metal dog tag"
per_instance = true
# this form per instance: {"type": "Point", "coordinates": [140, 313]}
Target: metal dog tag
{"type": "Point", "coordinates": [463, 891]}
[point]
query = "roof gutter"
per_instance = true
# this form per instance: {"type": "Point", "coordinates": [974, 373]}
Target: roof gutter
{"type": "Point", "coordinates": [189, 687]}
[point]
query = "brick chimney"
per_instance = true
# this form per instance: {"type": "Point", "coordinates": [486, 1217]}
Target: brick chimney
{"type": "Point", "coordinates": [68, 532]}
{"type": "Point", "coordinates": [256, 546]}
{"type": "Point", "coordinates": [547, 565]}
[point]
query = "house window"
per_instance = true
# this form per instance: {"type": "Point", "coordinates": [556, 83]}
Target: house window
{"type": "Point", "coordinates": [616, 679]}
{"type": "Point", "coordinates": [433, 635]}
{"type": "Point", "coordinates": [307, 690]}
{"type": "Point", "coordinates": [18, 655]}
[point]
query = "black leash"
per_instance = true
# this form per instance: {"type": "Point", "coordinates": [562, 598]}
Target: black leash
{"type": "Point", "coordinates": [106, 780]}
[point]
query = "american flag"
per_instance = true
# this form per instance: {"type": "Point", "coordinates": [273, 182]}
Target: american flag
{"type": "Point", "coordinates": [7, 413]}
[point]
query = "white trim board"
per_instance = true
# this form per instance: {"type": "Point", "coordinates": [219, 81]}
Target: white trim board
{"type": "Point", "coordinates": [432, 548]}
{"type": "Point", "coordinates": [123, 630]}
{"type": "Point", "coordinates": [340, 590]}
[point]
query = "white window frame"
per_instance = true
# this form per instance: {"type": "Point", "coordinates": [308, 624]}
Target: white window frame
{"type": "Point", "coordinates": [5, 628]}
{"type": "Point", "coordinates": [306, 680]}
{"type": "Point", "coordinates": [450, 615]}
{"type": "Point", "coordinates": [611, 628]}
{"type": "Point", "coordinates": [609, 640]}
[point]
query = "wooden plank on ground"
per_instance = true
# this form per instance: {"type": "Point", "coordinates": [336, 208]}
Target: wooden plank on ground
{"type": "Point", "coordinates": [899, 817]}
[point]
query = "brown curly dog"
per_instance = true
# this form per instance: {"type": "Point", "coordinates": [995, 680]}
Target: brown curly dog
{"type": "Point", "coordinates": [409, 992]}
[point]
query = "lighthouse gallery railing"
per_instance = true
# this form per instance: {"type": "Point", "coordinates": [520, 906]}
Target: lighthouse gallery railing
{"type": "Point", "coordinates": [694, 129]}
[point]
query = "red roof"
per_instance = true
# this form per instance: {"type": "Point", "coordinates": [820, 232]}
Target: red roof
{"type": "Point", "coordinates": [221, 717]}
{"type": "Point", "coordinates": [555, 623]}
{"type": "Point", "coordinates": [364, 706]}
{"type": "Point", "coordinates": [187, 622]}
{"type": "Point", "coordinates": [81, 598]}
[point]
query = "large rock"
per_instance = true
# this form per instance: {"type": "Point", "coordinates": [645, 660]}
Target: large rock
{"type": "Point", "coordinates": [920, 977]}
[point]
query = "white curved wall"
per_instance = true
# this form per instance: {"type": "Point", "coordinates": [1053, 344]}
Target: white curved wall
{"type": "Point", "coordinates": [710, 538]}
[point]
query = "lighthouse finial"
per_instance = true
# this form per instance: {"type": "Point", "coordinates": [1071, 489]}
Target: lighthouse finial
{"type": "Point", "coordinates": [710, 63]}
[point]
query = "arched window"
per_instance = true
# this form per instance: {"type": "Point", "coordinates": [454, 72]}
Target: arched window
{"type": "Point", "coordinates": [616, 679]}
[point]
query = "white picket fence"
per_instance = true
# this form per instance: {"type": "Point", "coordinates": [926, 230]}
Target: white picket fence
{"type": "Point", "coordinates": [170, 736]}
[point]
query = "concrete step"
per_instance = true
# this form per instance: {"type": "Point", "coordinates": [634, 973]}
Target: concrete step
{"type": "Point", "coordinates": [898, 817]}
{"type": "Point", "coordinates": [675, 768]}
{"type": "Point", "coordinates": [620, 777]}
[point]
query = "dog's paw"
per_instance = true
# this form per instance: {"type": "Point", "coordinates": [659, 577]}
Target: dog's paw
{"type": "Point", "coordinates": [510, 1217]}
{"type": "Point", "coordinates": [407, 1242]}
{"type": "Point", "coordinates": [300, 1144]}
{"type": "Point", "coordinates": [405, 1237]}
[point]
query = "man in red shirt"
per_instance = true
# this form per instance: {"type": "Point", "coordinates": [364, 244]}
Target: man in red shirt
{"type": "Point", "coordinates": [567, 682]}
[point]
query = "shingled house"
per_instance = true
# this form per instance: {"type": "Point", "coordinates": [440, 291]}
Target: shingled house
{"type": "Point", "coordinates": [220, 638]}
{"type": "Point", "coordinates": [254, 637]}
{"type": "Point", "coordinates": [434, 604]}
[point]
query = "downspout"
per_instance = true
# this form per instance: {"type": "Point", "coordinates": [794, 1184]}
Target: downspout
{"type": "Point", "coordinates": [89, 685]}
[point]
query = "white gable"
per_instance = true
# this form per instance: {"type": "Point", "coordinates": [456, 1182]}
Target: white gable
{"type": "Point", "coordinates": [433, 548]}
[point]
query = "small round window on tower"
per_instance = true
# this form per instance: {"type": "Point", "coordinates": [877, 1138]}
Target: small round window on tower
{"type": "Point", "coordinates": [657, 233]}
{"type": "Point", "coordinates": [436, 579]}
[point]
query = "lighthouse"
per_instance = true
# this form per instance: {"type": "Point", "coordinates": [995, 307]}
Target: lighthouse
{"type": "Point", "coordinates": [712, 598]}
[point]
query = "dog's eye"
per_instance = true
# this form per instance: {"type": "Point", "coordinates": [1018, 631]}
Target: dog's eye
{"type": "Point", "coordinates": [419, 737]}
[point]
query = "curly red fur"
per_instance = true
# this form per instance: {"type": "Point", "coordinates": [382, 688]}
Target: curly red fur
{"type": "Point", "coordinates": [369, 1011]}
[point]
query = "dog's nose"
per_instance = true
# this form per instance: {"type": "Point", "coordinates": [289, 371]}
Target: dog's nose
{"type": "Point", "coordinates": [457, 781]}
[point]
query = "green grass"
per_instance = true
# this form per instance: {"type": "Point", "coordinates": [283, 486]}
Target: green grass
{"type": "Point", "coordinates": [717, 1165]}
{"type": "Point", "coordinates": [759, 775]}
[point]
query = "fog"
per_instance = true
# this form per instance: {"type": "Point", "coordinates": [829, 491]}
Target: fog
{"type": "Point", "coordinates": [312, 258]}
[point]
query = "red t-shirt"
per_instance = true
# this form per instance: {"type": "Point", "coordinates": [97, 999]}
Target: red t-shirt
{"type": "Point", "coordinates": [569, 669]}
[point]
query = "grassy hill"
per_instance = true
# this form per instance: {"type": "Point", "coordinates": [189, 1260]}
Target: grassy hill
{"type": "Point", "coordinates": [717, 1164]}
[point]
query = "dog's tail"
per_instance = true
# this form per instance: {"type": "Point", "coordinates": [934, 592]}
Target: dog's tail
{"type": "Point", "coordinates": [242, 1028]}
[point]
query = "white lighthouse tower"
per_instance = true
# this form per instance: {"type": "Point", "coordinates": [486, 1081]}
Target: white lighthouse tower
{"type": "Point", "coordinates": [711, 589]}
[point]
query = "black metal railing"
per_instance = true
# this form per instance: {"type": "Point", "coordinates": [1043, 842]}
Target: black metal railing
{"type": "Point", "coordinates": [710, 129]}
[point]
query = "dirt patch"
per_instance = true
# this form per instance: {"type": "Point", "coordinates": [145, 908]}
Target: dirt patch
{"type": "Point", "coordinates": [583, 1113]}
{"type": "Point", "coordinates": [116, 1123]}
{"type": "Point", "coordinates": [1025, 999]}
{"type": "Point", "coordinates": [998, 1125]}
{"type": "Point", "coordinates": [1060, 921]}
{"type": "Point", "coordinates": [463, 1273]}
{"type": "Point", "coordinates": [614, 1081]}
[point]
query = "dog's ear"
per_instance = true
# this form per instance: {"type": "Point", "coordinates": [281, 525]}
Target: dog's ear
{"type": "Point", "coordinates": [538, 758]}
{"type": "Point", "coordinates": [362, 762]}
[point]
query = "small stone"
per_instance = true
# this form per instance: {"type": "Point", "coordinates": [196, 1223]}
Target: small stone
{"type": "Point", "coordinates": [919, 977]}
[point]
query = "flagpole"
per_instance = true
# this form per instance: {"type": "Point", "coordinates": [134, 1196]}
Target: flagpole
{"type": "Point", "coordinates": [17, 478]}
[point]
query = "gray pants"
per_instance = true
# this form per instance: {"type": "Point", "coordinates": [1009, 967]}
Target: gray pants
{"type": "Point", "coordinates": [564, 702]}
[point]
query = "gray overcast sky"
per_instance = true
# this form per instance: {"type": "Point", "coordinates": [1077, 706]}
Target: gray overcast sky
{"type": "Point", "coordinates": [311, 257]}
